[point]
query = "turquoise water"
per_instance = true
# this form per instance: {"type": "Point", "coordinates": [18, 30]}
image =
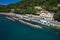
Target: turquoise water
{"type": "Point", "coordinates": [17, 31]}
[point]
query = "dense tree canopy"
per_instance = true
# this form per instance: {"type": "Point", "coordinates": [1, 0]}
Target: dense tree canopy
{"type": "Point", "coordinates": [50, 5]}
{"type": "Point", "coordinates": [27, 6]}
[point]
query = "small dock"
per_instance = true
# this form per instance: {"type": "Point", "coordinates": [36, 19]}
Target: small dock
{"type": "Point", "coordinates": [10, 18]}
{"type": "Point", "coordinates": [36, 26]}
{"type": "Point", "coordinates": [32, 25]}
{"type": "Point", "coordinates": [52, 24]}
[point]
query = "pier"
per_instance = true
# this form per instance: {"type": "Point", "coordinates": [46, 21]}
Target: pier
{"type": "Point", "coordinates": [10, 18]}
{"type": "Point", "coordinates": [36, 26]}
{"type": "Point", "coordinates": [52, 24]}
{"type": "Point", "coordinates": [32, 25]}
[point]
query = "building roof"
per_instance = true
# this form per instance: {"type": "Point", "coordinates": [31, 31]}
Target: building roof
{"type": "Point", "coordinates": [38, 7]}
{"type": "Point", "coordinates": [44, 11]}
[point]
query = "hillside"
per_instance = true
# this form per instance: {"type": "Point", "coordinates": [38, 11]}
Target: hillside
{"type": "Point", "coordinates": [27, 6]}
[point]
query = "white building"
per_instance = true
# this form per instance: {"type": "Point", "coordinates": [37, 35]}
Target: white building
{"type": "Point", "coordinates": [46, 15]}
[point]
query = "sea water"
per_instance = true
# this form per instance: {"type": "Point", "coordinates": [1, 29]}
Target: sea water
{"type": "Point", "coordinates": [10, 30]}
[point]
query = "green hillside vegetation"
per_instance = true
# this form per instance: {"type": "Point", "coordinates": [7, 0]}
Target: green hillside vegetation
{"type": "Point", "coordinates": [50, 5]}
{"type": "Point", "coordinates": [27, 6]}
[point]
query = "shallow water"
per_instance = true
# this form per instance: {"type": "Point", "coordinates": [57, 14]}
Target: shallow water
{"type": "Point", "coordinates": [10, 30]}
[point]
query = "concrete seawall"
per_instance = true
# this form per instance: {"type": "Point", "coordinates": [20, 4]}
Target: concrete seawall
{"type": "Point", "coordinates": [36, 26]}
{"type": "Point", "coordinates": [32, 25]}
{"type": "Point", "coordinates": [53, 24]}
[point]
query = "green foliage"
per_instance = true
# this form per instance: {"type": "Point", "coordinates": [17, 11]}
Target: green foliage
{"type": "Point", "coordinates": [27, 6]}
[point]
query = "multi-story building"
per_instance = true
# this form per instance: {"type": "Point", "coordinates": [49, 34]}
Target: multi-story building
{"type": "Point", "coordinates": [46, 15]}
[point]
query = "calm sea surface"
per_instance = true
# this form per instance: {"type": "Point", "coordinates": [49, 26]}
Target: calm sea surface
{"type": "Point", "coordinates": [10, 30]}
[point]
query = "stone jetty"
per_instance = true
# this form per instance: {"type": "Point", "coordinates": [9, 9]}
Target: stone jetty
{"type": "Point", "coordinates": [32, 25]}
{"type": "Point", "coordinates": [53, 24]}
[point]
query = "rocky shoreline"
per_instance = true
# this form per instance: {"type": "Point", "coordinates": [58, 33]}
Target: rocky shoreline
{"type": "Point", "coordinates": [51, 23]}
{"type": "Point", "coordinates": [32, 25]}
